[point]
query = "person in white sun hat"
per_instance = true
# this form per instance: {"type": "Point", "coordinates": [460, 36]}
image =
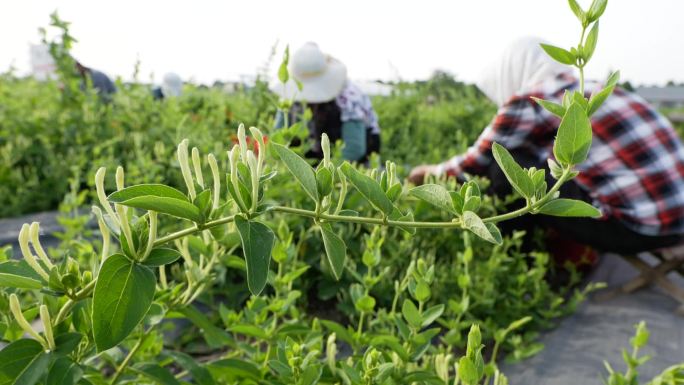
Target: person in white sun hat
{"type": "Point", "coordinates": [339, 108]}
{"type": "Point", "coordinates": [172, 86]}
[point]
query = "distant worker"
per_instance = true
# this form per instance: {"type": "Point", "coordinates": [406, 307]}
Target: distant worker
{"type": "Point", "coordinates": [101, 82]}
{"type": "Point", "coordinates": [172, 86]}
{"type": "Point", "coordinates": [634, 172]}
{"type": "Point", "coordinates": [339, 108]}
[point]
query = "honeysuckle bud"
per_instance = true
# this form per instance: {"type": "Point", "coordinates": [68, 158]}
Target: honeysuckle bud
{"type": "Point", "coordinates": [122, 211]}
{"type": "Point", "coordinates": [162, 277]}
{"type": "Point", "coordinates": [331, 352]}
{"type": "Point", "coordinates": [87, 277]}
{"type": "Point", "coordinates": [242, 139]}
{"type": "Point", "coordinates": [120, 178]}
{"type": "Point", "coordinates": [253, 167]}
{"type": "Point", "coordinates": [197, 165]}
{"type": "Point", "coordinates": [15, 308]}
{"type": "Point", "coordinates": [152, 235]}
{"type": "Point", "coordinates": [343, 192]}
{"type": "Point", "coordinates": [393, 173]}
{"type": "Point", "coordinates": [216, 176]}
{"type": "Point", "coordinates": [102, 197]}
{"type": "Point", "coordinates": [325, 146]}
{"type": "Point", "coordinates": [24, 236]}
{"type": "Point", "coordinates": [34, 232]}
{"type": "Point", "coordinates": [104, 230]}
{"type": "Point", "coordinates": [47, 325]}
{"type": "Point", "coordinates": [185, 167]}
{"type": "Point", "coordinates": [261, 150]}
{"type": "Point", "coordinates": [442, 366]}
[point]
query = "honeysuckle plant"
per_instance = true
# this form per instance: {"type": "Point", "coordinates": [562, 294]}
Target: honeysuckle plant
{"type": "Point", "coordinates": [94, 321]}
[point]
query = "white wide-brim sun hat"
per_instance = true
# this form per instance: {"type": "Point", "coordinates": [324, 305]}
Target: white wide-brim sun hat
{"type": "Point", "coordinates": [322, 76]}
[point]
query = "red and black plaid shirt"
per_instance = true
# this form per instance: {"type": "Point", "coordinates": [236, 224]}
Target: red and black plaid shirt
{"type": "Point", "coordinates": [635, 168]}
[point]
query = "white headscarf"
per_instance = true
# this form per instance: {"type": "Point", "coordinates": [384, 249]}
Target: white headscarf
{"type": "Point", "coordinates": [172, 85]}
{"type": "Point", "coordinates": [523, 65]}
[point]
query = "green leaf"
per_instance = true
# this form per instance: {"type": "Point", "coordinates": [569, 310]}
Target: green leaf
{"type": "Point", "coordinates": [596, 10]}
{"type": "Point", "coordinates": [21, 361]}
{"type": "Point", "coordinates": [391, 342]}
{"type": "Point", "coordinates": [335, 250]}
{"type": "Point", "coordinates": [431, 314]}
{"type": "Point", "coordinates": [311, 375]}
{"type": "Point", "coordinates": [422, 377]}
{"type": "Point", "coordinates": [230, 370]}
{"type": "Point", "coordinates": [203, 203]}
{"type": "Point", "coordinates": [574, 136]}
{"type": "Point", "coordinates": [257, 243]}
{"type": "Point", "coordinates": [577, 10]}
{"type": "Point", "coordinates": [161, 376]}
{"type": "Point", "coordinates": [369, 188]}
{"type": "Point", "coordinates": [569, 208]}
{"type": "Point", "coordinates": [342, 333]}
{"type": "Point", "coordinates": [170, 206]}
{"type": "Point", "coordinates": [324, 181]}
{"type": "Point", "coordinates": [200, 374]}
{"type": "Point", "coordinates": [123, 294]}
{"type": "Point", "coordinates": [141, 190]}
{"type": "Point", "coordinates": [590, 43]}
{"type": "Point", "coordinates": [161, 256]}
{"type": "Point", "coordinates": [435, 195]}
{"type": "Point", "coordinates": [555, 168]}
{"type": "Point", "coordinates": [214, 336]}
{"type": "Point", "coordinates": [67, 342]}
{"type": "Point", "coordinates": [473, 223]}
{"type": "Point", "coordinates": [249, 330]}
{"type": "Point", "coordinates": [517, 177]}
{"type": "Point", "coordinates": [613, 79]}
{"type": "Point", "coordinates": [494, 231]}
{"type": "Point", "coordinates": [365, 304]}
{"type": "Point", "coordinates": [18, 274]}
{"type": "Point", "coordinates": [301, 170]}
{"type": "Point", "coordinates": [598, 98]}
{"type": "Point", "coordinates": [559, 54]}
{"type": "Point", "coordinates": [411, 314]}
{"type": "Point", "coordinates": [467, 371]}
{"type": "Point", "coordinates": [64, 371]}
{"type": "Point", "coordinates": [283, 73]}
{"type": "Point", "coordinates": [550, 106]}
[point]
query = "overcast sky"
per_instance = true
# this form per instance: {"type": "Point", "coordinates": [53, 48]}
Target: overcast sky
{"type": "Point", "coordinates": [377, 39]}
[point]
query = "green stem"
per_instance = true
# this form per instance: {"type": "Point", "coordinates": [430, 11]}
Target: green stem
{"type": "Point", "coordinates": [529, 207]}
{"type": "Point", "coordinates": [360, 328]}
{"type": "Point", "coordinates": [68, 305]}
{"type": "Point", "coordinates": [192, 230]}
{"type": "Point", "coordinates": [366, 220]}
{"type": "Point", "coordinates": [129, 356]}
{"type": "Point", "coordinates": [581, 63]}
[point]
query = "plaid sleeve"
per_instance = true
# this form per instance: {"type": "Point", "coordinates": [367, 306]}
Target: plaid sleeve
{"type": "Point", "coordinates": [517, 126]}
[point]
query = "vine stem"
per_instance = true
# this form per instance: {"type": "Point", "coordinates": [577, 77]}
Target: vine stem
{"type": "Point", "coordinates": [373, 221]}
{"type": "Point", "coordinates": [529, 207]}
{"type": "Point", "coordinates": [72, 301]}
{"type": "Point", "coordinates": [129, 356]}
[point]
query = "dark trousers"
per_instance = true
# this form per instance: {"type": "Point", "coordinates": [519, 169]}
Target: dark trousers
{"type": "Point", "coordinates": [606, 235]}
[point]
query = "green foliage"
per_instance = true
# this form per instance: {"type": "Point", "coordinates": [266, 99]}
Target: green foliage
{"type": "Point", "coordinates": [122, 296]}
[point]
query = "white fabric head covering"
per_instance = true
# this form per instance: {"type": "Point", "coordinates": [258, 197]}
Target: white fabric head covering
{"type": "Point", "coordinates": [172, 84]}
{"type": "Point", "coordinates": [322, 76]}
{"type": "Point", "coordinates": [523, 65]}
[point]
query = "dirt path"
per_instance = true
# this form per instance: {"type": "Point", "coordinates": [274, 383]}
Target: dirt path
{"type": "Point", "coordinates": [574, 352]}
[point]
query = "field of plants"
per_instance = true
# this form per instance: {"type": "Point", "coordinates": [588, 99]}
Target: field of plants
{"type": "Point", "coordinates": [222, 256]}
